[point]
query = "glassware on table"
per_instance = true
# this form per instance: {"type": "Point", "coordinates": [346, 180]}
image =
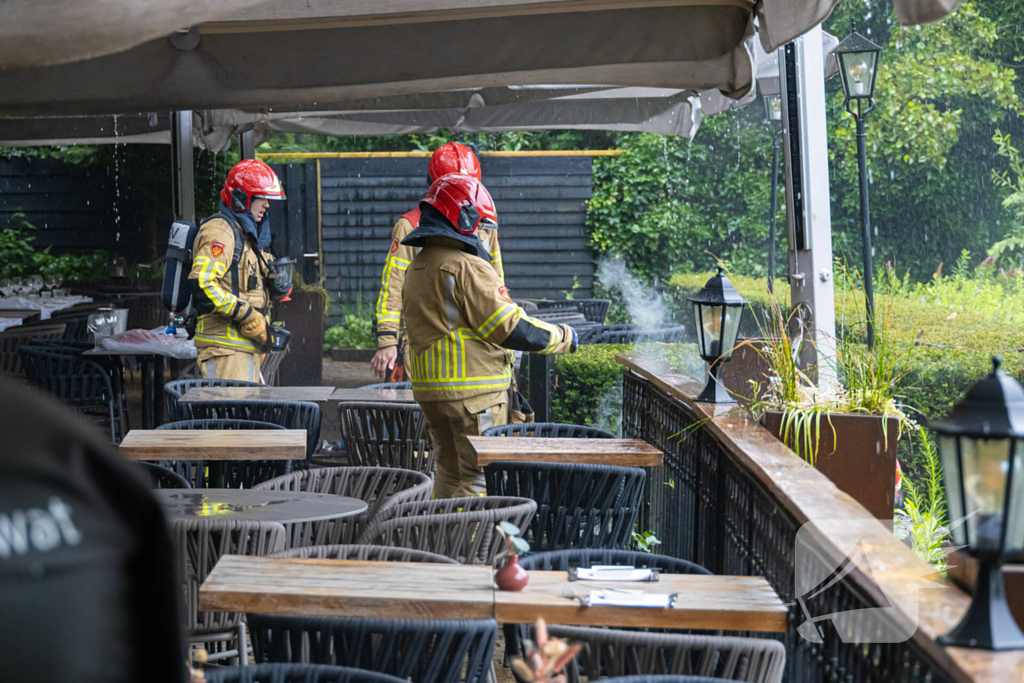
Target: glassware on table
{"type": "Point", "coordinates": [6, 287]}
{"type": "Point", "coordinates": [19, 285]}
{"type": "Point", "coordinates": [102, 325]}
{"type": "Point", "coordinates": [63, 292]}
{"type": "Point", "coordinates": [34, 284]}
{"type": "Point", "coordinates": [53, 281]}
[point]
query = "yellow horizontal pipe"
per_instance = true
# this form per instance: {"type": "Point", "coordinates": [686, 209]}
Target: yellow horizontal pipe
{"type": "Point", "coordinates": [378, 155]}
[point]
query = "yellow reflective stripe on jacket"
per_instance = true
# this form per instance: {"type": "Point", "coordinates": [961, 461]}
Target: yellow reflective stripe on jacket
{"type": "Point", "coordinates": [383, 313]}
{"type": "Point", "coordinates": [498, 317]}
{"type": "Point", "coordinates": [210, 272]}
{"type": "Point", "coordinates": [442, 367]}
{"type": "Point", "coordinates": [233, 338]}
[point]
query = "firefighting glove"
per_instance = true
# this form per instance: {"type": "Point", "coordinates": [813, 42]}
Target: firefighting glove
{"type": "Point", "coordinates": [570, 333]}
{"type": "Point", "coordinates": [254, 326]}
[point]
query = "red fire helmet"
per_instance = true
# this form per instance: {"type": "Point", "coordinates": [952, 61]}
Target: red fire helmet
{"type": "Point", "coordinates": [464, 201]}
{"type": "Point", "coordinates": [451, 157]}
{"type": "Point", "coordinates": [247, 179]}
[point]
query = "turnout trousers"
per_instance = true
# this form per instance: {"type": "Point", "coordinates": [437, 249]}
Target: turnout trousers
{"type": "Point", "coordinates": [449, 423]}
{"type": "Point", "coordinates": [220, 363]}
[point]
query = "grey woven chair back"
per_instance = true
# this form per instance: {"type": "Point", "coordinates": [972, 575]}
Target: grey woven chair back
{"type": "Point", "coordinates": [658, 678]}
{"type": "Point", "coordinates": [384, 434]}
{"type": "Point", "coordinates": [459, 528]}
{"type": "Point", "coordinates": [176, 389]}
{"type": "Point", "coordinates": [161, 477]}
{"type": "Point", "coordinates": [549, 430]}
{"type": "Point", "coordinates": [380, 487]}
{"type": "Point", "coordinates": [297, 673]}
{"type": "Point", "coordinates": [237, 473]}
{"type": "Point", "coordinates": [421, 650]}
{"type": "Point", "coordinates": [76, 326]}
{"type": "Point", "coordinates": [78, 382]}
{"type": "Point", "coordinates": [199, 543]}
{"type": "Point", "coordinates": [270, 366]}
{"type": "Point", "coordinates": [578, 506]}
{"type": "Point", "coordinates": [288, 414]}
{"type": "Point", "coordinates": [12, 339]}
{"type": "Point", "coordinates": [364, 553]}
{"type": "Point", "coordinates": [630, 333]}
{"type": "Point", "coordinates": [397, 386]}
{"type": "Point", "coordinates": [609, 653]}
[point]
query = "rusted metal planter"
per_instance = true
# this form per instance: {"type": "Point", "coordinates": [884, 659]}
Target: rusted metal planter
{"type": "Point", "coordinates": [855, 453]}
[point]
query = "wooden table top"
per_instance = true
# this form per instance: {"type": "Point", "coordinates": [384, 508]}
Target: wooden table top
{"type": "Point", "coordinates": [22, 313]}
{"type": "Point", "coordinates": [346, 588]}
{"type": "Point", "coordinates": [262, 506]}
{"type": "Point", "coordinates": [621, 452]}
{"type": "Point", "coordinates": [396, 395]}
{"type": "Point", "coordinates": [212, 444]}
{"type": "Point", "coordinates": [314, 394]}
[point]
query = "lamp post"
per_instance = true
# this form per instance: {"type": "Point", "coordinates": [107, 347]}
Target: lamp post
{"type": "Point", "coordinates": [981, 443]}
{"type": "Point", "coordinates": [858, 65]}
{"type": "Point", "coordinates": [773, 116]}
{"type": "Point", "coordinates": [716, 310]}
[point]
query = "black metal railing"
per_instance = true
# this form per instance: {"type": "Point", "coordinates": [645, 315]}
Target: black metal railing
{"type": "Point", "coordinates": [705, 506]}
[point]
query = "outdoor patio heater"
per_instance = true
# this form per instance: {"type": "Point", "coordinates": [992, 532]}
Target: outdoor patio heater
{"type": "Point", "coordinates": [716, 311]}
{"type": "Point", "coordinates": [982, 447]}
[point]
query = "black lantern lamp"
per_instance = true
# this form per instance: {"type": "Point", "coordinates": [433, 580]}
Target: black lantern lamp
{"type": "Point", "coordinates": [716, 311]}
{"type": "Point", "coordinates": [858, 64]}
{"type": "Point", "coordinates": [773, 116]}
{"type": "Point", "coordinates": [982, 447]}
{"type": "Point", "coordinates": [773, 109]}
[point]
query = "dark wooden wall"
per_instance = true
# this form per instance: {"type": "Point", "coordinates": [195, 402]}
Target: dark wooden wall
{"type": "Point", "coordinates": [541, 212]}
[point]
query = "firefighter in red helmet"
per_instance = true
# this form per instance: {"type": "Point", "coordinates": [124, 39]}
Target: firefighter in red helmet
{"type": "Point", "coordinates": [462, 324]}
{"type": "Point", "coordinates": [450, 157]}
{"type": "Point", "coordinates": [232, 285]}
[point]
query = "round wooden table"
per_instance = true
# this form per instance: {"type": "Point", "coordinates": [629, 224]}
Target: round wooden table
{"type": "Point", "coordinates": [286, 507]}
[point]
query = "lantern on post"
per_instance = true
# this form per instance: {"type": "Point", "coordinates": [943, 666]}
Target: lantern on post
{"type": "Point", "coordinates": [716, 311]}
{"type": "Point", "coordinates": [773, 116]}
{"type": "Point", "coordinates": [981, 443]}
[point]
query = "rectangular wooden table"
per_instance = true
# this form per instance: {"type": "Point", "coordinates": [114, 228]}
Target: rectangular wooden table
{"type": "Point", "coordinates": [621, 452]}
{"type": "Point", "coordinates": [347, 588]}
{"type": "Point", "coordinates": [255, 444]}
{"type": "Point", "coordinates": [386, 395]}
{"type": "Point", "coordinates": [26, 315]}
{"type": "Point", "coordinates": [313, 394]}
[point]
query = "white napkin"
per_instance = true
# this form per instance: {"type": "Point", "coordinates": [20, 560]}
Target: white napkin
{"type": "Point", "coordinates": [628, 599]}
{"type": "Point", "coordinates": [612, 573]}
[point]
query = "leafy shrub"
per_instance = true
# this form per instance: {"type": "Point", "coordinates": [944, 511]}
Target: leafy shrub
{"type": "Point", "coordinates": [355, 333]}
{"type": "Point", "coordinates": [588, 387]}
{"type": "Point", "coordinates": [18, 257]}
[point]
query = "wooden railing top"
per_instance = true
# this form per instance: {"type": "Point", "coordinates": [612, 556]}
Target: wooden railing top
{"type": "Point", "coordinates": [811, 497]}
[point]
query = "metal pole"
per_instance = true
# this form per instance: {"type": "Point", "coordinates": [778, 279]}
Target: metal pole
{"type": "Point", "coordinates": [865, 222]}
{"type": "Point", "coordinates": [774, 210]}
{"type": "Point", "coordinates": [246, 145]}
{"type": "Point", "coordinates": [182, 167]}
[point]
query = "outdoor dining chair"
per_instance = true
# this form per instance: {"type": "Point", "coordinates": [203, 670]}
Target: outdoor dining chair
{"type": "Point", "coordinates": [549, 430]}
{"type": "Point", "coordinates": [578, 506]}
{"type": "Point", "coordinates": [364, 553]}
{"type": "Point", "coordinates": [81, 383]}
{"type": "Point", "coordinates": [270, 366]}
{"type": "Point", "coordinates": [459, 528]}
{"type": "Point", "coordinates": [609, 653]}
{"type": "Point", "coordinates": [297, 673]}
{"type": "Point", "coordinates": [174, 390]}
{"type": "Point", "coordinates": [380, 487]}
{"type": "Point", "coordinates": [11, 340]}
{"type": "Point", "coordinates": [237, 473]}
{"type": "Point", "coordinates": [199, 544]}
{"type": "Point", "coordinates": [386, 434]}
{"type": "Point", "coordinates": [421, 650]}
{"type": "Point", "coordinates": [161, 477]}
{"type": "Point", "coordinates": [594, 310]}
{"type": "Point", "coordinates": [288, 414]}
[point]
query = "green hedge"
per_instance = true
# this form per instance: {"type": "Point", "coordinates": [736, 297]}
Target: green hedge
{"type": "Point", "coordinates": [588, 387]}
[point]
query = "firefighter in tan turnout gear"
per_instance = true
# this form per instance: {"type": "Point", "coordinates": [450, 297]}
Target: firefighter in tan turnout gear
{"type": "Point", "coordinates": [450, 157]}
{"type": "Point", "coordinates": [232, 285]}
{"type": "Point", "coordinates": [462, 327]}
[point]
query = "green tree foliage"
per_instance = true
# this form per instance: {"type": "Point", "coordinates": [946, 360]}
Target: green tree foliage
{"type": "Point", "coordinates": [515, 141]}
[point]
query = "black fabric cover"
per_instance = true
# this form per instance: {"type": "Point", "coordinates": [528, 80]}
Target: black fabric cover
{"type": "Point", "coordinates": [87, 588]}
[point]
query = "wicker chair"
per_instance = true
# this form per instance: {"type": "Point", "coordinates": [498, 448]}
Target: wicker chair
{"type": "Point", "coordinates": [381, 488]}
{"type": "Point", "coordinates": [199, 543]}
{"type": "Point", "coordinates": [630, 333]}
{"type": "Point", "coordinates": [288, 414]}
{"type": "Point", "coordinates": [12, 339]}
{"type": "Point", "coordinates": [237, 473]}
{"type": "Point", "coordinates": [611, 653]}
{"type": "Point", "coordinates": [364, 553]}
{"type": "Point", "coordinates": [421, 650]}
{"type": "Point", "coordinates": [578, 506]}
{"type": "Point", "coordinates": [549, 430]}
{"type": "Point", "coordinates": [296, 673]}
{"type": "Point", "coordinates": [81, 383]}
{"type": "Point", "coordinates": [459, 528]}
{"type": "Point", "coordinates": [76, 326]}
{"type": "Point", "coordinates": [173, 391]}
{"type": "Point", "coordinates": [659, 678]}
{"type": "Point", "coordinates": [397, 386]}
{"type": "Point", "coordinates": [386, 435]}
{"type": "Point", "coordinates": [162, 477]}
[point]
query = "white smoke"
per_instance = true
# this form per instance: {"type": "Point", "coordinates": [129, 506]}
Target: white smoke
{"type": "Point", "coordinates": [647, 307]}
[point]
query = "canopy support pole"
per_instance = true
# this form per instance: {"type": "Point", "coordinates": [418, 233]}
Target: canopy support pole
{"type": "Point", "coordinates": [247, 145]}
{"type": "Point", "coordinates": [183, 167]}
{"type": "Point", "coordinates": [808, 214]}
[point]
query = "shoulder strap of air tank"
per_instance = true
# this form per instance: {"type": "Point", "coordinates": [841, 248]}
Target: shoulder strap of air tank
{"type": "Point", "coordinates": [236, 255]}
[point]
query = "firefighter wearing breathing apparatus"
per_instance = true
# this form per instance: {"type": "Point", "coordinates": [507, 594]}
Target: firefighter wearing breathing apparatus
{"type": "Point", "coordinates": [234, 278]}
{"type": "Point", "coordinates": [450, 157]}
{"type": "Point", "coordinates": [462, 324]}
